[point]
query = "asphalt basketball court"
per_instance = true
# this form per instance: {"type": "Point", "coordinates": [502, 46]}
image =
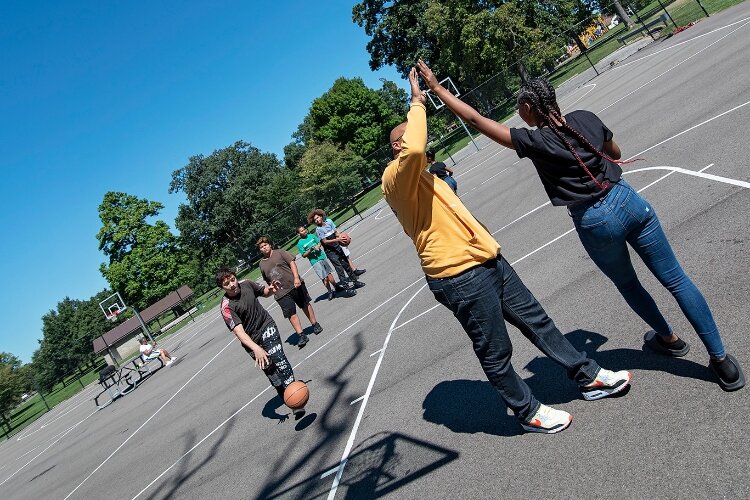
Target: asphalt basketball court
{"type": "Point", "coordinates": [399, 406]}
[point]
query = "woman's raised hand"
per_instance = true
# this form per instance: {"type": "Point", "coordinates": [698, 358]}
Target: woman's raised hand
{"type": "Point", "coordinates": [427, 75]}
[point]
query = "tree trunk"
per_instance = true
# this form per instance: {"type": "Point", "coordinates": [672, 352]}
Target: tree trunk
{"type": "Point", "coordinates": [623, 15]}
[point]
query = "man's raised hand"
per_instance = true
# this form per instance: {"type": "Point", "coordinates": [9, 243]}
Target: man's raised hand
{"type": "Point", "coordinates": [416, 93]}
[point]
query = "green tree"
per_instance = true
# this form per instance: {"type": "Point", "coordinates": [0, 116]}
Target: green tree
{"type": "Point", "coordinates": [469, 40]}
{"type": "Point", "coordinates": [145, 260]}
{"type": "Point", "coordinates": [352, 115]}
{"type": "Point", "coordinates": [329, 174]}
{"type": "Point", "coordinates": [61, 349]}
{"type": "Point", "coordinates": [12, 385]}
{"type": "Point", "coordinates": [230, 195]}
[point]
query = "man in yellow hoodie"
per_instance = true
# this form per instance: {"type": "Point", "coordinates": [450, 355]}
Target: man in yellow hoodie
{"type": "Point", "coordinates": [467, 274]}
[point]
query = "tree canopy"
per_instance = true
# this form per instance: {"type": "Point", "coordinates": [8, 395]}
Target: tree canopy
{"type": "Point", "coordinates": [68, 333]}
{"type": "Point", "coordinates": [230, 195]}
{"type": "Point", "coordinates": [469, 40]}
{"type": "Point", "coordinates": [145, 260]}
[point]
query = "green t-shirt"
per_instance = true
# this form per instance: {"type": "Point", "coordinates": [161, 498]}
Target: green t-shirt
{"type": "Point", "coordinates": [303, 245]}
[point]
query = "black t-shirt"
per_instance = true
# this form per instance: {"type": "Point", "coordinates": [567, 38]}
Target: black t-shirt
{"type": "Point", "coordinates": [245, 309]}
{"type": "Point", "coordinates": [438, 169]}
{"type": "Point", "coordinates": [565, 181]}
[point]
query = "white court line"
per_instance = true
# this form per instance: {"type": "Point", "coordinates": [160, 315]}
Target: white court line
{"type": "Point", "coordinates": [58, 417]}
{"type": "Point", "coordinates": [267, 388]}
{"type": "Point", "coordinates": [329, 472]}
{"type": "Point", "coordinates": [376, 352]}
{"type": "Point", "coordinates": [568, 106]}
{"type": "Point", "coordinates": [377, 215]}
{"type": "Point", "coordinates": [697, 37]}
{"type": "Point", "coordinates": [484, 181]}
{"type": "Point", "coordinates": [672, 170]}
{"type": "Point", "coordinates": [149, 419]}
{"type": "Point", "coordinates": [415, 317]}
{"type": "Point", "coordinates": [499, 151]}
{"type": "Point", "coordinates": [358, 399]}
{"type": "Point", "coordinates": [47, 448]}
{"type": "Point", "coordinates": [350, 442]}
{"type": "Point", "coordinates": [689, 172]}
{"type": "Point", "coordinates": [673, 67]}
{"type": "Point", "coordinates": [365, 398]}
{"type": "Point", "coordinates": [701, 174]}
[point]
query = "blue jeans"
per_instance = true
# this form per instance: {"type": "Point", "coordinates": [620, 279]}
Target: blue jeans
{"type": "Point", "coordinates": [605, 225]}
{"type": "Point", "coordinates": [476, 298]}
{"type": "Point", "coordinates": [451, 182]}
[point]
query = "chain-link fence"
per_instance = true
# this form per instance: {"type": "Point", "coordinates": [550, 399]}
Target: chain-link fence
{"type": "Point", "coordinates": [590, 47]}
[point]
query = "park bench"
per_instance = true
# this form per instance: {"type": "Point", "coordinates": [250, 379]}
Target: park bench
{"type": "Point", "coordinates": [116, 382]}
{"type": "Point", "coordinates": [662, 19]}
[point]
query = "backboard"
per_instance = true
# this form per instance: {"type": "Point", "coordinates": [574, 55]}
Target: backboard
{"type": "Point", "coordinates": [113, 306]}
{"type": "Point", "coordinates": [450, 86]}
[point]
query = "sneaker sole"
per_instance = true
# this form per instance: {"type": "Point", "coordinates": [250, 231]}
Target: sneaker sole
{"type": "Point", "coordinates": [542, 430]}
{"type": "Point", "coordinates": [595, 394]}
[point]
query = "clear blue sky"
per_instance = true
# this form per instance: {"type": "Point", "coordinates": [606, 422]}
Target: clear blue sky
{"type": "Point", "coordinates": [114, 96]}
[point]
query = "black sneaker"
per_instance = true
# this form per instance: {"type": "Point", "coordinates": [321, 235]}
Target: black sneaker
{"type": "Point", "coordinates": [360, 272]}
{"type": "Point", "coordinates": [317, 328]}
{"type": "Point", "coordinates": [658, 343]}
{"type": "Point", "coordinates": [339, 287]}
{"type": "Point", "coordinates": [298, 413]}
{"type": "Point", "coordinates": [302, 341]}
{"type": "Point", "coordinates": [729, 373]}
{"type": "Point", "coordinates": [330, 295]}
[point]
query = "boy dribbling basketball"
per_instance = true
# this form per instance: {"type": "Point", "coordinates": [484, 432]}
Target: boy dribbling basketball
{"type": "Point", "coordinates": [256, 330]}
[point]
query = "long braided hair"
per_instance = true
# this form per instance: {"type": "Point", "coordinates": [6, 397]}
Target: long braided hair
{"type": "Point", "coordinates": [540, 94]}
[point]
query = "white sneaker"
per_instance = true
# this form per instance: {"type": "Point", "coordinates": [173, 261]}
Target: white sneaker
{"type": "Point", "coordinates": [548, 420]}
{"type": "Point", "coordinates": [606, 383]}
{"type": "Point", "coordinates": [170, 362]}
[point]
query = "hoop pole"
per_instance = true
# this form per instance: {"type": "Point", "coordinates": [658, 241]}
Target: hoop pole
{"type": "Point", "coordinates": [143, 325]}
{"type": "Point", "coordinates": [467, 133]}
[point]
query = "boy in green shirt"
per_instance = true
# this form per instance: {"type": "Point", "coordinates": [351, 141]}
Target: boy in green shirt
{"type": "Point", "coordinates": [309, 246]}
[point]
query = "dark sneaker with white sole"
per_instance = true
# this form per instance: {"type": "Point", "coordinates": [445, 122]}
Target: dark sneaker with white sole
{"type": "Point", "coordinates": [317, 328]}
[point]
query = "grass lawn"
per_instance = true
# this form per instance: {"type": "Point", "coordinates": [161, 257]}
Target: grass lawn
{"type": "Point", "coordinates": [34, 407]}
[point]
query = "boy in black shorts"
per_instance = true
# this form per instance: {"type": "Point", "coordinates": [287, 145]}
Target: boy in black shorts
{"type": "Point", "coordinates": [278, 266]}
{"type": "Point", "coordinates": [255, 329]}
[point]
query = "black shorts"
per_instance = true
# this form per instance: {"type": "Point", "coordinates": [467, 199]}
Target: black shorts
{"type": "Point", "coordinates": [297, 297]}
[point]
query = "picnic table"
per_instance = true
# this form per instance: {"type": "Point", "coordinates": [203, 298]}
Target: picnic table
{"type": "Point", "coordinates": [117, 382]}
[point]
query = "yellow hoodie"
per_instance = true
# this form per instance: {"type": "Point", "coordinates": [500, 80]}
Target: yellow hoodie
{"type": "Point", "coordinates": [448, 239]}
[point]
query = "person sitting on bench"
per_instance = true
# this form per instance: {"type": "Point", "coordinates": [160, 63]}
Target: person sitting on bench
{"type": "Point", "coordinates": [148, 352]}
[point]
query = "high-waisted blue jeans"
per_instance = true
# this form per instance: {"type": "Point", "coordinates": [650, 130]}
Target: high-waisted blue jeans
{"type": "Point", "coordinates": [482, 299]}
{"type": "Point", "coordinates": [623, 216]}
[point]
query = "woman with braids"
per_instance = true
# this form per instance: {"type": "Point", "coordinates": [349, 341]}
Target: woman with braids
{"type": "Point", "coordinates": [579, 166]}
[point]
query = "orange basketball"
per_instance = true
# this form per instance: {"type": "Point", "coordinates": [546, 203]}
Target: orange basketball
{"type": "Point", "coordinates": [296, 395]}
{"type": "Point", "coordinates": [345, 239]}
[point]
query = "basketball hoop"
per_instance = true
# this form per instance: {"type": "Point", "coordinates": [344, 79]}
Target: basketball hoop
{"type": "Point", "coordinates": [113, 315]}
{"type": "Point", "coordinates": [112, 306]}
{"type": "Point", "coordinates": [448, 84]}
